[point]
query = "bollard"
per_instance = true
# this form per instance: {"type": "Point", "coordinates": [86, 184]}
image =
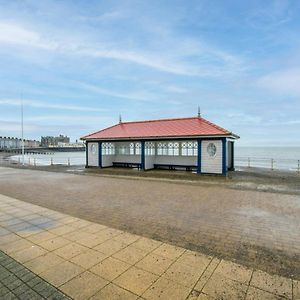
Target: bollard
{"type": "Point", "coordinates": [29, 161]}
{"type": "Point", "coordinates": [272, 164]}
{"type": "Point", "coordinates": [51, 161]}
{"type": "Point", "coordinates": [69, 162]}
{"type": "Point", "coordinates": [248, 162]}
{"type": "Point", "coordinates": [34, 162]}
{"type": "Point", "coordinates": [19, 161]}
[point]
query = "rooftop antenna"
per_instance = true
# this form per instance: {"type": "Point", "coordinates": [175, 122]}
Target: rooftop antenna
{"type": "Point", "coordinates": [120, 119]}
{"type": "Point", "coordinates": [22, 129]}
{"type": "Point", "coordinates": [199, 112]}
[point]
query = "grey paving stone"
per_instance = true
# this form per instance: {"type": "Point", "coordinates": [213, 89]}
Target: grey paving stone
{"type": "Point", "coordinates": [18, 282]}
{"type": "Point", "coordinates": [3, 274]}
{"type": "Point", "coordinates": [14, 267]}
{"type": "Point", "coordinates": [58, 296]}
{"type": "Point", "coordinates": [14, 284]}
{"type": "Point", "coordinates": [21, 290]}
{"type": "Point", "coordinates": [31, 295]}
{"type": "Point", "coordinates": [28, 277]}
{"type": "Point", "coordinates": [3, 291]}
{"type": "Point", "coordinates": [22, 272]}
{"type": "Point", "coordinates": [7, 262]}
{"type": "Point", "coordinates": [9, 296]}
{"type": "Point", "coordinates": [34, 281]}
{"type": "Point", "coordinates": [47, 292]}
{"type": "Point", "coordinates": [9, 279]}
{"type": "Point", "coordinates": [43, 286]}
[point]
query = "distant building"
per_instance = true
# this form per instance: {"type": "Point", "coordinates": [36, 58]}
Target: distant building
{"type": "Point", "coordinates": [50, 141]}
{"type": "Point", "coordinates": [13, 142]}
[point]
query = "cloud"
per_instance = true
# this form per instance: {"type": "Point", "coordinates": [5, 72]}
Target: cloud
{"type": "Point", "coordinates": [207, 61]}
{"type": "Point", "coordinates": [70, 119]}
{"type": "Point", "coordinates": [271, 15]}
{"type": "Point", "coordinates": [12, 127]}
{"type": "Point", "coordinates": [292, 122]}
{"type": "Point", "coordinates": [124, 95]}
{"type": "Point", "coordinates": [284, 81]}
{"type": "Point", "coordinates": [11, 33]}
{"type": "Point", "coordinates": [41, 104]}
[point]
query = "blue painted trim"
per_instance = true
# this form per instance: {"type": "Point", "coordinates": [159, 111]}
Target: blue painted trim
{"type": "Point", "coordinates": [86, 154]}
{"type": "Point", "coordinates": [199, 156]}
{"type": "Point", "coordinates": [232, 153]}
{"type": "Point", "coordinates": [224, 167]}
{"type": "Point", "coordinates": [143, 155]}
{"type": "Point", "coordinates": [100, 154]}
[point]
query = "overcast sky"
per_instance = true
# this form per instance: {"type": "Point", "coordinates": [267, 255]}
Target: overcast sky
{"type": "Point", "coordinates": [79, 64]}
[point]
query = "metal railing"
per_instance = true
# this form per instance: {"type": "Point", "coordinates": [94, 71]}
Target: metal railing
{"type": "Point", "coordinates": [47, 160]}
{"type": "Point", "coordinates": [51, 160]}
{"type": "Point", "coordinates": [269, 163]}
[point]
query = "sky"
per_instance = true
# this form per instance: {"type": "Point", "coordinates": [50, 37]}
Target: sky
{"type": "Point", "coordinates": [77, 65]}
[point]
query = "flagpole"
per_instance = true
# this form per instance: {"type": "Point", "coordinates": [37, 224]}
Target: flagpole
{"type": "Point", "coordinates": [22, 126]}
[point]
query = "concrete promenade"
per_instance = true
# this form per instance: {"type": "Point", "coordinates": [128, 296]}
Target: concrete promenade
{"type": "Point", "coordinates": [255, 229]}
{"type": "Point", "coordinates": [79, 259]}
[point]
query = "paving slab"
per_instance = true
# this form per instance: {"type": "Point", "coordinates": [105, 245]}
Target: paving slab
{"type": "Point", "coordinates": [84, 286]}
{"type": "Point", "coordinates": [114, 292]}
{"type": "Point", "coordinates": [278, 285]}
{"type": "Point", "coordinates": [110, 268]}
{"type": "Point", "coordinates": [136, 280]}
{"type": "Point", "coordinates": [66, 261]}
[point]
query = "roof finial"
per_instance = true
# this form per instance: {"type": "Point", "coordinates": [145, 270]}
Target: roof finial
{"type": "Point", "coordinates": [199, 112]}
{"type": "Point", "coordinates": [120, 119]}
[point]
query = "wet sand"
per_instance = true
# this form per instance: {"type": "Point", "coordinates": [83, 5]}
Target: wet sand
{"type": "Point", "coordinates": [257, 229]}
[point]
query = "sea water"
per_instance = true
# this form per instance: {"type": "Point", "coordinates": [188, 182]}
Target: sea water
{"type": "Point", "coordinates": [284, 158]}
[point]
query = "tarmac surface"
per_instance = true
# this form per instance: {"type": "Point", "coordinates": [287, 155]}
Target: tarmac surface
{"type": "Point", "coordinates": [254, 228]}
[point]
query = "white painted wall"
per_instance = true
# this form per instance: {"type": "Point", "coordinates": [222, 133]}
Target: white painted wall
{"type": "Point", "coordinates": [127, 158]}
{"type": "Point", "coordinates": [176, 160]}
{"type": "Point", "coordinates": [211, 164]}
{"type": "Point", "coordinates": [107, 160]}
{"type": "Point", "coordinates": [149, 161]}
{"type": "Point", "coordinates": [93, 154]}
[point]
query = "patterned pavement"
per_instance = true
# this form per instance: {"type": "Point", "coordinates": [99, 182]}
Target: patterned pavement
{"type": "Point", "coordinates": [48, 254]}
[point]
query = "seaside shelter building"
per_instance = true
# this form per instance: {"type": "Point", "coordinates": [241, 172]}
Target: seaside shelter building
{"type": "Point", "coordinates": [191, 144]}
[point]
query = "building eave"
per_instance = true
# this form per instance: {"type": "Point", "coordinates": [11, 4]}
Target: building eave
{"type": "Point", "coordinates": [229, 135]}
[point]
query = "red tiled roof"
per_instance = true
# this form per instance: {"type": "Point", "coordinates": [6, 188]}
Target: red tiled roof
{"type": "Point", "coordinates": [183, 127]}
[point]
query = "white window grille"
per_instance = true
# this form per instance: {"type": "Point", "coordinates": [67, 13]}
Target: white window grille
{"type": "Point", "coordinates": [138, 149]}
{"type": "Point", "coordinates": [149, 148]}
{"type": "Point", "coordinates": [131, 148]}
{"type": "Point", "coordinates": [123, 150]}
{"type": "Point", "coordinates": [108, 149]}
{"type": "Point", "coordinates": [173, 148]}
{"type": "Point", "coordinates": [189, 148]}
{"type": "Point", "coordinates": [162, 148]}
